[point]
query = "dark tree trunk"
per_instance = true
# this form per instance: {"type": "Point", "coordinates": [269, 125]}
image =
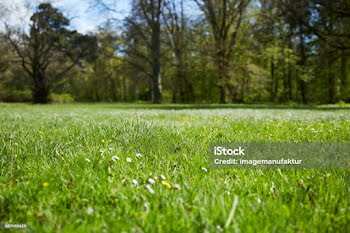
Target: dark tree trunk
{"type": "Point", "coordinates": [40, 91]}
{"type": "Point", "coordinates": [113, 90]}
{"type": "Point", "coordinates": [223, 74]}
{"type": "Point", "coordinates": [302, 83]}
{"type": "Point", "coordinates": [289, 82]}
{"type": "Point", "coordinates": [156, 79]}
{"type": "Point", "coordinates": [343, 75]}
{"type": "Point", "coordinates": [273, 84]}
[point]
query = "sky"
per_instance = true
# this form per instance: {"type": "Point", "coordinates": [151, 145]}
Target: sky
{"type": "Point", "coordinates": [84, 15]}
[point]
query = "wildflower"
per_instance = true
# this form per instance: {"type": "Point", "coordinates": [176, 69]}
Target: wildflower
{"type": "Point", "coordinates": [87, 160]}
{"type": "Point", "coordinates": [110, 140]}
{"type": "Point", "coordinates": [129, 160]}
{"type": "Point", "coordinates": [102, 140]}
{"type": "Point", "coordinates": [259, 200]}
{"type": "Point", "coordinates": [166, 183]}
{"type": "Point", "coordinates": [89, 210]}
{"type": "Point", "coordinates": [149, 188]}
{"type": "Point", "coordinates": [219, 228]}
{"type": "Point", "coordinates": [162, 176]}
{"type": "Point", "coordinates": [115, 158]}
{"type": "Point", "coordinates": [155, 177]}
{"type": "Point", "coordinates": [134, 182]}
{"type": "Point", "coordinates": [204, 169]}
{"type": "Point", "coordinates": [272, 188]}
{"type": "Point", "coordinates": [138, 155]}
{"type": "Point", "coordinates": [45, 184]}
{"type": "Point", "coordinates": [177, 186]}
{"type": "Point", "coordinates": [151, 181]}
{"type": "Point", "coordinates": [11, 137]}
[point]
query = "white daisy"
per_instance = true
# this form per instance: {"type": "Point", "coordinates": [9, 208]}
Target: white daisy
{"type": "Point", "coordinates": [138, 155]}
{"type": "Point", "coordinates": [151, 181]}
{"type": "Point", "coordinates": [162, 176]}
{"type": "Point", "coordinates": [89, 210]}
{"type": "Point", "coordinates": [87, 160]}
{"type": "Point", "coordinates": [149, 188]}
{"type": "Point", "coordinates": [129, 160]}
{"type": "Point", "coordinates": [115, 158]}
{"type": "Point", "coordinates": [134, 182]}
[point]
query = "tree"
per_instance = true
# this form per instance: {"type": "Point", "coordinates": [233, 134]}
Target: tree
{"type": "Point", "coordinates": [224, 17]}
{"type": "Point", "coordinates": [144, 25]}
{"type": "Point", "coordinates": [49, 43]}
{"type": "Point", "coordinates": [176, 31]}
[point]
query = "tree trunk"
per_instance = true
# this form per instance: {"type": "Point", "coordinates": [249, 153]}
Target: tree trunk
{"type": "Point", "coordinates": [343, 76]}
{"type": "Point", "coordinates": [156, 79]}
{"type": "Point", "coordinates": [222, 73]}
{"type": "Point", "coordinates": [289, 82]}
{"type": "Point", "coordinates": [302, 83]}
{"type": "Point", "coordinates": [40, 91]}
{"type": "Point", "coordinates": [113, 89]}
{"type": "Point", "coordinates": [273, 84]}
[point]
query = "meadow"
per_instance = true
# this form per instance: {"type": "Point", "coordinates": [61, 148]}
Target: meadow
{"type": "Point", "coordinates": [144, 168]}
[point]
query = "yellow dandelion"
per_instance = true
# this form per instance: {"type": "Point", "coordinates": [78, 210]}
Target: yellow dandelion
{"type": "Point", "coordinates": [166, 183]}
{"type": "Point", "coordinates": [110, 140]}
{"type": "Point", "coordinates": [102, 140]}
{"type": "Point", "coordinates": [45, 184]}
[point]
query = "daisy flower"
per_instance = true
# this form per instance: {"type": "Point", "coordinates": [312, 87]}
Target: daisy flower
{"type": "Point", "coordinates": [151, 181]}
{"type": "Point", "coordinates": [134, 182]}
{"type": "Point", "coordinates": [149, 188]}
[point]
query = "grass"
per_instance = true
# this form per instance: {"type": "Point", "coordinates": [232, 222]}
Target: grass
{"type": "Point", "coordinates": [47, 182]}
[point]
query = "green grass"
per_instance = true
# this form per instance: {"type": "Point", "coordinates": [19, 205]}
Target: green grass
{"type": "Point", "coordinates": [51, 143]}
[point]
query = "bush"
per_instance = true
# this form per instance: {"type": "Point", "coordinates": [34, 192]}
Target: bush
{"type": "Point", "coordinates": [341, 103]}
{"type": "Point", "coordinates": [61, 98]}
{"type": "Point", "coordinates": [15, 96]}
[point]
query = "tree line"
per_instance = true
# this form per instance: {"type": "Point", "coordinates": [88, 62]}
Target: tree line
{"type": "Point", "coordinates": [227, 51]}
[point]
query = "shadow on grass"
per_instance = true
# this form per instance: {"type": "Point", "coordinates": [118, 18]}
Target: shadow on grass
{"type": "Point", "coordinates": [167, 106]}
{"type": "Point", "coordinates": [223, 106]}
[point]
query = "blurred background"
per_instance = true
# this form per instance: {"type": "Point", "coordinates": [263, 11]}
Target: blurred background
{"type": "Point", "coordinates": [175, 51]}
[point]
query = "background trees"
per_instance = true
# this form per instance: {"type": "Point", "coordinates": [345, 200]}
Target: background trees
{"type": "Point", "coordinates": [48, 43]}
{"type": "Point", "coordinates": [185, 51]}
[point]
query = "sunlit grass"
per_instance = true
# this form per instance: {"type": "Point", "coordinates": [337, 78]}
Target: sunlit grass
{"type": "Point", "coordinates": [141, 168]}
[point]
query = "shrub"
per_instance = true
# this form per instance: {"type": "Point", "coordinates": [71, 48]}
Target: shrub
{"type": "Point", "coordinates": [61, 98]}
{"type": "Point", "coordinates": [15, 96]}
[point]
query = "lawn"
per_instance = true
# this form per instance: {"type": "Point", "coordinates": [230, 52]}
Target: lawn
{"type": "Point", "coordinates": [73, 168]}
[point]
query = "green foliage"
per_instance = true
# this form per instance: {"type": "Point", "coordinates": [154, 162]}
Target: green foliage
{"type": "Point", "coordinates": [61, 98]}
{"type": "Point", "coordinates": [15, 96]}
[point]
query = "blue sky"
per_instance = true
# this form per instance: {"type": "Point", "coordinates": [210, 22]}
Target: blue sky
{"type": "Point", "coordinates": [84, 16]}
